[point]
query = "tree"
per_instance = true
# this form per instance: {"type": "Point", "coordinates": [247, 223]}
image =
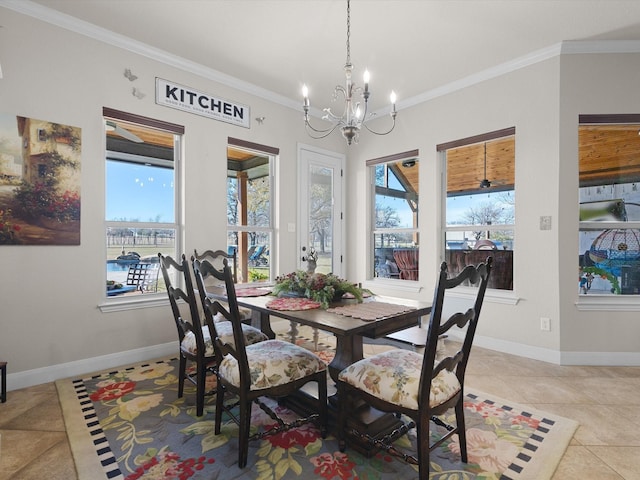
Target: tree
{"type": "Point", "coordinates": [320, 213]}
{"type": "Point", "coordinates": [486, 213]}
{"type": "Point", "coordinates": [386, 217]}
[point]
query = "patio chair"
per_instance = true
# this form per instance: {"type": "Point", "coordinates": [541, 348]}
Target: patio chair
{"type": "Point", "coordinates": [144, 276]}
{"type": "Point", "coordinates": [418, 388]}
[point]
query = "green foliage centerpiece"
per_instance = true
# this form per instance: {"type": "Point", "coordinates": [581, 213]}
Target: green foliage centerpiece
{"type": "Point", "coordinates": [320, 287]}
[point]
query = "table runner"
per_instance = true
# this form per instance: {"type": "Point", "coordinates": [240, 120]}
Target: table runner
{"type": "Point", "coordinates": [370, 310]}
{"type": "Point", "coordinates": [288, 303]}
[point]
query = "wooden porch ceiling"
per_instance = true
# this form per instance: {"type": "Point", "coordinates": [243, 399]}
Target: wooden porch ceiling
{"type": "Point", "coordinates": [608, 154]}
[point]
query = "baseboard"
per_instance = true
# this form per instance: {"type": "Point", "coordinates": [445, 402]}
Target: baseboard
{"type": "Point", "coordinates": [596, 359]}
{"type": "Point", "coordinates": [52, 373]}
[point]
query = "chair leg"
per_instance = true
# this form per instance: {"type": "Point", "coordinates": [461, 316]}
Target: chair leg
{"type": "Point", "coordinates": [243, 434]}
{"type": "Point", "coordinates": [343, 400]}
{"type": "Point", "coordinates": [424, 446]}
{"type": "Point", "coordinates": [201, 377]}
{"type": "Point", "coordinates": [219, 408]}
{"type": "Point", "coordinates": [181, 375]}
{"type": "Point", "coordinates": [462, 431]}
{"type": "Point", "coordinates": [324, 408]}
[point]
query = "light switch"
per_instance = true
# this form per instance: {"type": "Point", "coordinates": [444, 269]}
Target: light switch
{"type": "Point", "coordinates": [545, 223]}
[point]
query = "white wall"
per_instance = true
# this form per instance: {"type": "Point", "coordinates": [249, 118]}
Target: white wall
{"type": "Point", "coordinates": [51, 326]}
{"type": "Point", "coordinates": [543, 102]}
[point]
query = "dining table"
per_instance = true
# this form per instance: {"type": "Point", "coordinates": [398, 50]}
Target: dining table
{"type": "Point", "coordinates": [341, 319]}
{"type": "Point", "coordinates": [348, 330]}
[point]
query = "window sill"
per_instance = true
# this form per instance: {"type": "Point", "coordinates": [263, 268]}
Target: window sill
{"type": "Point", "coordinates": [391, 284]}
{"type": "Point", "coordinates": [507, 297]}
{"type": "Point", "coordinates": [131, 303]}
{"type": "Point", "coordinates": [608, 303]}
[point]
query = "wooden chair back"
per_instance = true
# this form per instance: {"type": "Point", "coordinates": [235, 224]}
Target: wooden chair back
{"type": "Point", "coordinates": [475, 275]}
{"type": "Point", "coordinates": [203, 269]}
{"type": "Point", "coordinates": [172, 272]}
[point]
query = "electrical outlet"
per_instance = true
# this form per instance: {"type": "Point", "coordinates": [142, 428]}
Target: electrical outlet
{"type": "Point", "coordinates": [545, 324]}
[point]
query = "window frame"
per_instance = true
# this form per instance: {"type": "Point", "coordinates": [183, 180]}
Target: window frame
{"type": "Point", "coordinates": [124, 302]}
{"type": "Point", "coordinates": [497, 293]}
{"type": "Point", "coordinates": [372, 274]}
{"type": "Point", "coordinates": [605, 301]}
{"type": "Point", "coordinates": [272, 154]}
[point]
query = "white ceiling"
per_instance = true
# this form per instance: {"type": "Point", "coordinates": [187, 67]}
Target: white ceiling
{"type": "Point", "coordinates": [415, 47]}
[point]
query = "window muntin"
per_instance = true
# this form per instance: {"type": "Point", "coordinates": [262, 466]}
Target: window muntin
{"type": "Point", "coordinates": [479, 203]}
{"type": "Point", "coordinates": [250, 212]}
{"type": "Point", "coordinates": [609, 205]}
{"type": "Point", "coordinates": [141, 203]}
{"type": "Point", "coordinates": [395, 217]}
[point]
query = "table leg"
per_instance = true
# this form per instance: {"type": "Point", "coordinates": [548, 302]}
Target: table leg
{"type": "Point", "coordinates": [348, 351]}
{"type": "Point", "coordinates": [264, 323]}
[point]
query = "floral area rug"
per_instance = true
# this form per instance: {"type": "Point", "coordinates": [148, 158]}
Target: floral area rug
{"type": "Point", "coordinates": [130, 424]}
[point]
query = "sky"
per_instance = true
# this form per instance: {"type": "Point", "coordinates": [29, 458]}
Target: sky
{"type": "Point", "coordinates": [139, 192]}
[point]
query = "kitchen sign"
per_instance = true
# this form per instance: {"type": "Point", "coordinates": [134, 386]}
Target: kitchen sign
{"type": "Point", "coordinates": [189, 100]}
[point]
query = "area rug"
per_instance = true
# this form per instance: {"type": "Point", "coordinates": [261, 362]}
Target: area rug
{"type": "Point", "coordinates": [129, 424]}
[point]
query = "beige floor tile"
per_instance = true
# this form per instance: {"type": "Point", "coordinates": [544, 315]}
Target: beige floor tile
{"type": "Point", "coordinates": [499, 387]}
{"type": "Point", "coordinates": [21, 448]}
{"type": "Point", "coordinates": [623, 460]}
{"type": "Point", "coordinates": [579, 463]}
{"type": "Point", "coordinates": [600, 425]}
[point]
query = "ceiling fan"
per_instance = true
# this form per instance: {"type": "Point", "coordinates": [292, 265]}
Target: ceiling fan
{"type": "Point", "coordinates": [485, 182]}
{"type": "Point", "coordinates": [124, 133]}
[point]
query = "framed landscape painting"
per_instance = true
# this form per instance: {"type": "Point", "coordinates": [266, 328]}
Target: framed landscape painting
{"type": "Point", "coordinates": [39, 182]}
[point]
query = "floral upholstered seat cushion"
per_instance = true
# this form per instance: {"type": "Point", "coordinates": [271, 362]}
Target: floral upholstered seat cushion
{"type": "Point", "coordinates": [394, 376]}
{"type": "Point", "coordinates": [225, 332]}
{"type": "Point", "coordinates": [272, 363]}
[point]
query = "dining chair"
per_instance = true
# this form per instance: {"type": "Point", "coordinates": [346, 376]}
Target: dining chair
{"type": "Point", "coordinates": [215, 257]}
{"type": "Point", "coordinates": [250, 373]}
{"type": "Point", "coordinates": [195, 340]}
{"type": "Point", "coordinates": [418, 388]}
{"type": "Point", "coordinates": [203, 270]}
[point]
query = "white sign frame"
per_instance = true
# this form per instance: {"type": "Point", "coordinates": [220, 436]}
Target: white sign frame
{"type": "Point", "coordinates": [180, 97]}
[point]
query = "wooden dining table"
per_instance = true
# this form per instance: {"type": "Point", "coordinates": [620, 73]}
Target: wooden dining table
{"type": "Point", "coordinates": [349, 332]}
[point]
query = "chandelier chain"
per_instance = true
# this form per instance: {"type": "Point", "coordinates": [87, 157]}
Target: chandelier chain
{"type": "Point", "coordinates": [348, 32]}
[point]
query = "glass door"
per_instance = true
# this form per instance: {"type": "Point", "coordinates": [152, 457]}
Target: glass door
{"type": "Point", "coordinates": [320, 193]}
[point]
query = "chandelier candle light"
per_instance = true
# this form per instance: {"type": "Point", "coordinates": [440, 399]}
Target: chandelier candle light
{"type": "Point", "coordinates": [352, 118]}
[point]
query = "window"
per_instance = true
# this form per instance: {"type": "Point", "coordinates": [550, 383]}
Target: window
{"type": "Point", "coordinates": [250, 209]}
{"type": "Point", "coordinates": [141, 208]}
{"type": "Point", "coordinates": [479, 217]}
{"type": "Point", "coordinates": [395, 196]}
{"type": "Point", "coordinates": [609, 196]}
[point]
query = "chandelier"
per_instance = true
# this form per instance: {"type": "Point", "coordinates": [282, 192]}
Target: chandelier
{"type": "Point", "coordinates": [353, 117]}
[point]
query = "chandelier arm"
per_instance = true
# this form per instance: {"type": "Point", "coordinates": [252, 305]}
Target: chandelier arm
{"type": "Point", "coordinates": [323, 132]}
{"type": "Point", "coordinates": [382, 133]}
{"type": "Point", "coordinates": [329, 115]}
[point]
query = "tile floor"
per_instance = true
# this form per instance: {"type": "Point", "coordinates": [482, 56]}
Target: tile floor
{"type": "Point", "coordinates": [604, 400]}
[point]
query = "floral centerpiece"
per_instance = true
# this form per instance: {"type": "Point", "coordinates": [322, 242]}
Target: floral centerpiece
{"type": "Point", "coordinates": [323, 288]}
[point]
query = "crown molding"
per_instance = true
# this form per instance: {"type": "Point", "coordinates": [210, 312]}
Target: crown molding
{"type": "Point", "coordinates": [62, 20]}
{"type": "Point", "coordinates": [27, 7]}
